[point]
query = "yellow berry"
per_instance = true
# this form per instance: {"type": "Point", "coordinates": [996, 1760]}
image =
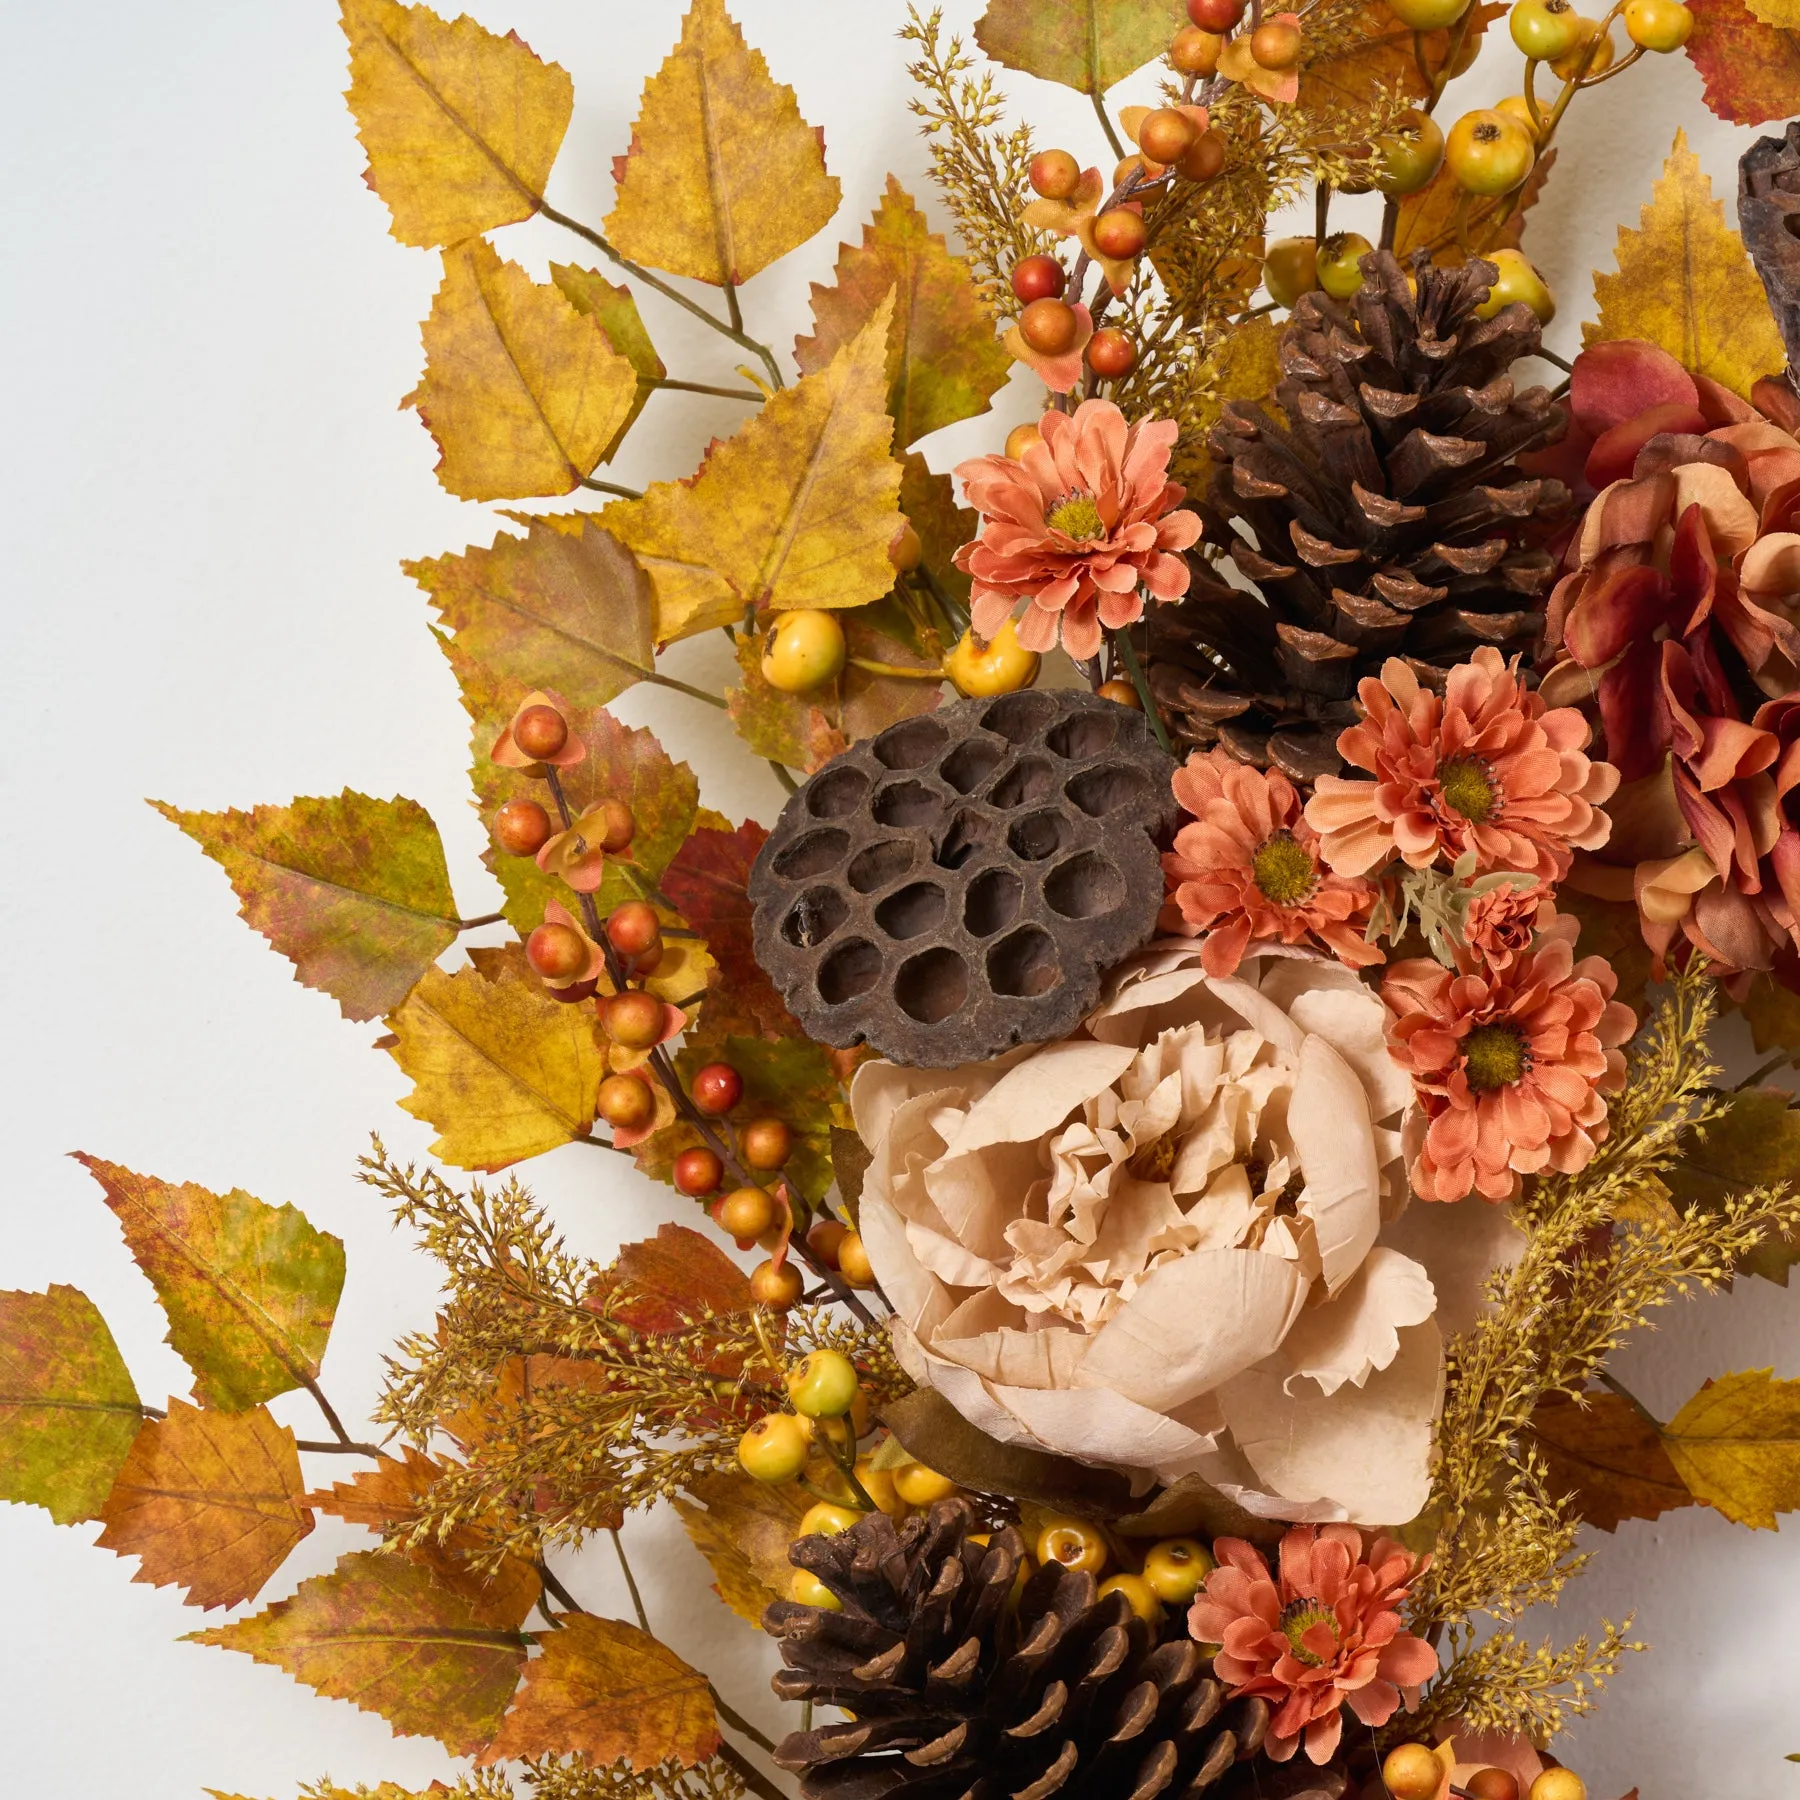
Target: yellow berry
{"type": "Point", "coordinates": [1074, 1543]}
{"type": "Point", "coordinates": [1139, 1596]}
{"type": "Point", "coordinates": [1517, 280]}
{"type": "Point", "coordinates": [1339, 263]}
{"type": "Point", "coordinates": [823, 1385]}
{"type": "Point", "coordinates": [1429, 15]}
{"type": "Point", "coordinates": [998, 667]}
{"type": "Point", "coordinates": [1176, 1567]}
{"type": "Point", "coordinates": [1412, 1773]}
{"type": "Point", "coordinates": [1290, 269]}
{"type": "Point", "coordinates": [1659, 25]}
{"type": "Point", "coordinates": [853, 1261]}
{"type": "Point", "coordinates": [1578, 61]}
{"type": "Point", "coordinates": [1545, 29]}
{"type": "Point", "coordinates": [1516, 106]}
{"type": "Point", "coordinates": [1410, 157]}
{"type": "Point", "coordinates": [1020, 439]}
{"type": "Point", "coordinates": [1558, 1784]}
{"type": "Point", "coordinates": [920, 1486]}
{"type": "Point", "coordinates": [826, 1519]}
{"type": "Point", "coordinates": [1489, 152]}
{"type": "Point", "coordinates": [878, 1484]}
{"type": "Point", "coordinates": [805, 649]}
{"type": "Point", "coordinates": [774, 1448]}
{"type": "Point", "coordinates": [809, 1590]}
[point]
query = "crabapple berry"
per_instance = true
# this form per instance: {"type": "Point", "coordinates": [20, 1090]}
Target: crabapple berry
{"type": "Point", "coordinates": [626, 1102]}
{"type": "Point", "coordinates": [557, 952]}
{"type": "Point", "coordinates": [521, 827]}
{"type": "Point", "coordinates": [633, 1020]}
{"type": "Point", "coordinates": [540, 731]}
{"type": "Point", "coordinates": [698, 1172]}
{"type": "Point", "coordinates": [717, 1088]}
{"type": "Point", "coordinates": [1039, 278]}
{"type": "Point", "coordinates": [1055, 174]}
{"type": "Point", "coordinates": [765, 1143]}
{"type": "Point", "coordinates": [1050, 327]}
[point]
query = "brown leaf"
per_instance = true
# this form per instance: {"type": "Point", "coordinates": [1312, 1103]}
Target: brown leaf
{"type": "Point", "coordinates": [606, 1691]}
{"type": "Point", "coordinates": [1756, 1143]}
{"type": "Point", "coordinates": [673, 1280]}
{"type": "Point", "coordinates": [1736, 1444]}
{"type": "Point", "coordinates": [1608, 1457]}
{"type": "Point", "coordinates": [929, 502]}
{"type": "Point", "coordinates": [1751, 70]}
{"type": "Point", "coordinates": [1381, 58]}
{"type": "Point", "coordinates": [743, 1528]}
{"type": "Point", "coordinates": [210, 1502]}
{"type": "Point", "coordinates": [1773, 1012]}
{"type": "Point", "coordinates": [1193, 1507]}
{"type": "Point", "coordinates": [794, 729]}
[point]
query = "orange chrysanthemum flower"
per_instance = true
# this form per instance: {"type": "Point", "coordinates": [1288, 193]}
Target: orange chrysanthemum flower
{"type": "Point", "coordinates": [1511, 1066]}
{"type": "Point", "coordinates": [1080, 528]}
{"type": "Point", "coordinates": [1248, 869]}
{"type": "Point", "coordinates": [1486, 767]}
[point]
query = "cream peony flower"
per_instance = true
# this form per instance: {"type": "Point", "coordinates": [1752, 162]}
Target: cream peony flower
{"type": "Point", "coordinates": [1156, 1245]}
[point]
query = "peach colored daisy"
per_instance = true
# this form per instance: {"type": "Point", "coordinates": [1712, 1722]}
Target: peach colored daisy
{"type": "Point", "coordinates": [1511, 1066]}
{"type": "Point", "coordinates": [1079, 528]}
{"type": "Point", "coordinates": [1248, 869]}
{"type": "Point", "coordinates": [1486, 766]}
{"type": "Point", "coordinates": [1324, 1634]}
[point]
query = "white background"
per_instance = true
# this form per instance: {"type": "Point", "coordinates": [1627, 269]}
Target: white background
{"type": "Point", "coordinates": [207, 491]}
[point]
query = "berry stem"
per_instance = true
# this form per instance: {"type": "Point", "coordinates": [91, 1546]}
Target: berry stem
{"type": "Point", "coordinates": [700, 387]}
{"type": "Point", "coordinates": [657, 678]}
{"type": "Point", "coordinates": [613, 488]}
{"type": "Point", "coordinates": [1106, 124]}
{"type": "Point", "coordinates": [345, 1449]}
{"type": "Point", "coordinates": [637, 1599]}
{"type": "Point", "coordinates": [894, 670]}
{"type": "Point", "coordinates": [492, 918]}
{"type": "Point", "coordinates": [1618, 1387]}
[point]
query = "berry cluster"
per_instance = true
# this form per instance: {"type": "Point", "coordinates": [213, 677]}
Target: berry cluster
{"type": "Point", "coordinates": [1412, 1772]}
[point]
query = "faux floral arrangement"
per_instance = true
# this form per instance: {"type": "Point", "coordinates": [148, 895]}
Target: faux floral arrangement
{"type": "Point", "coordinates": [1191, 1399]}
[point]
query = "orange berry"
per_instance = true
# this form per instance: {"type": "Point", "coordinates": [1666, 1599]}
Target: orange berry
{"type": "Point", "coordinates": [1039, 278]}
{"type": "Point", "coordinates": [1111, 354]}
{"type": "Point", "coordinates": [1119, 233]}
{"type": "Point", "coordinates": [521, 827]}
{"type": "Point", "coordinates": [1412, 1773]}
{"type": "Point", "coordinates": [905, 551]}
{"type": "Point", "coordinates": [745, 1213]}
{"type": "Point", "coordinates": [823, 1240]}
{"type": "Point", "coordinates": [853, 1261]}
{"type": "Point", "coordinates": [1167, 135]}
{"type": "Point", "coordinates": [777, 1289]}
{"type": "Point", "coordinates": [626, 1102]}
{"type": "Point", "coordinates": [717, 1088]}
{"type": "Point", "coordinates": [1196, 52]}
{"type": "Point", "coordinates": [540, 731]}
{"type": "Point", "coordinates": [1276, 45]}
{"type": "Point", "coordinates": [1492, 1784]}
{"type": "Point", "coordinates": [619, 826]}
{"type": "Point", "coordinates": [1055, 174]}
{"type": "Point", "coordinates": [1120, 693]}
{"type": "Point", "coordinates": [633, 1020]}
{"type": "Point", "coordinates": [557, 952]}
{"type": "Point", "coordinates": [1206, 158]}
{"type": "Point", "coordinates": [765, 1143]}
{"type": "Point", "coordinates": [633, 928]}
{"type": "Point", "coordinates": [1050, 327]}
{"type": "Point", "coordinates": [698, 1172]}
{"type": "Point", "coordinates": [1020, 439]}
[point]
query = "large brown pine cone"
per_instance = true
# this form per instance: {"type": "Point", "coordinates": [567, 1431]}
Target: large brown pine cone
{"type": "Point", "coordinates": [957, 1694]}
{"type": "Point", "coordinates": [1385, 517]}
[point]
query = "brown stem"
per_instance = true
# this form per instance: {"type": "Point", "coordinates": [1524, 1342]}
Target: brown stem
{"type": "Point", "coordinates": [752, 1777]}
{"type": "Point", "coordinates": [637, 1599]}
{"type": "Point", "coordinates": [612, 487]}
{"type": "Point", "coordinates": [335, 1449]}
{"type": "Point", "coordinates": [492, 918]}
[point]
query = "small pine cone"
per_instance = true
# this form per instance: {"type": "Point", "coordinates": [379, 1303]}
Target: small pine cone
{"type": "Point", "coordinates": [958, 1694]}
{"type": "Point", "coordinates": [1387, 513]}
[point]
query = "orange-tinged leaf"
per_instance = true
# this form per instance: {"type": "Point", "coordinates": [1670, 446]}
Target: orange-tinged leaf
{"type": "Point", "coordinates": [1686, 282]}
{"type": "Point", "coordinates": [1605, 1454]}
{"type": "Point", "coordinates": [1428, 218]}
{"type": "Point", "coordinates": [209, 1502]}
{"type": "Point", "coordinates": [461, 126]}
{"type": "Point", "coordinates": [945, 361]}
{"type": "Point", "coordinates": [559, 608]}
{"type": "Point", "coordinates": [352, 891]}
{"type": "Point", "coordinates": [500, 1070]}
{"type": "Point", "coordinates": [723, 175]}
{"type": "Point", "coordinates": [1088, 45]}
{"type": "Point", "coordinates": [609, 1692]}
{"type": "Point", "coordinates": [1381, 58]}
{"type": "Point", "coordinates": [1751, 70]}
{"type": "Point", "coordinates": [800, 730]}
{"type": "Point", "coordinates": [673, 1280]}
{"type": "Point", "coordinates": [523, 393]}
{"type": "Point", "coordinates": [869, 700]}
{"type": "Point", "coordinates": [385, 1634]}
{"type": "Point", "coordinates": [743, 1528]}
{"type": "Point", "coordinates": [929, 502]}
{"type": "Point", "coordinates": [249, 1289]}
{"type": "Point", "coordinates": [68, 1410]}
{"type": "Point", "coordinates": [613, 308]}
{"type": "Point", "coordinates": [1737, 1446]}
{"type": "Point", "coordinates": [797, 508]}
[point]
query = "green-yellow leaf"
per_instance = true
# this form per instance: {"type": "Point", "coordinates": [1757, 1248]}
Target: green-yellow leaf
{"type": "Point", "coordinates": [1686, 282]}
{"type": "Point", "coordinates": [1737, 1446]}
{"type": "Point", "coordinates": [796, 509]}
{"type": "Point", "coordinates": [209, 1502]}
{"type": "Point", "coordinates": [1088, 45]}
{"type": "Point", "coordinates": [500, 1070]}
{"type": "Point", "coordinates": [383, 1633]}
{"type": "Point", "coordinates": [743, 1528]}
{"type": "Point", "coordinates": [723, 175]}
{"type": "Point", "coordinates": [523, 393]}
{"type": "Point", "coordinates": [249, 1289]}
{"type": "Point", "coordinates": [613, 308]}
{"type": "Point", "coordinates": [352, 891]}
{"type": "Point", "coordinates": [944, 360]}
{"type": "Point", "coordinates": [558, 608]}
{"type": "Point", "coordinates": [68, 1409]}
{"type": "Point", "coordinates": [461, 125]}
{"type": "Point", "coordinates": [1755, 1142]}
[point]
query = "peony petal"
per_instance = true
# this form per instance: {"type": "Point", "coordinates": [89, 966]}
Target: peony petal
{"type": "Point", "coordinates": [1349, 1338]}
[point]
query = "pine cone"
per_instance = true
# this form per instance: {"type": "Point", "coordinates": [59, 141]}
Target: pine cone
{"type": "Point", "coordinates": [1388, 518]}
{"type": "Point", "coordinates": [958, 1695]}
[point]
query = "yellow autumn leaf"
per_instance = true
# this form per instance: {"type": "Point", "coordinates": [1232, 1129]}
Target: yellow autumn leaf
{"type": "Point", "coordinates": [795, 509]}
{"type": "Point", "coordinates": [743, 1528]}
{"type": "Point", "coordinates": [501, 1069]}
{"type": "Point", "coordinates": [1784, 15]}
{"type": "Point", "coordinates": [523, 392]}
{"type": "Point", "coordinates": [460, 124]}
{"type": "Point", "coordinates": [1737, 1446]}
{"type": "Point", "coordinates": [723, 175]}
{"type": "Point", "coordinates": [1686, 282]}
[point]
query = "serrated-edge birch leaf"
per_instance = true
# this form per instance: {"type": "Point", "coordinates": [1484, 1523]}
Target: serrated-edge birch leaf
{"type": "Point", "coordinates": [68, 1409]}
{"type": "Point", "coordinates": [723, 175]}
{"type": "Point", "coordinates": [1736, 1444]}
{"type": "Point", "coordinates": [945, 361]}
{"type": "Point", "coordinates": [1753, 1142]}
{"type": "Point", "coordinates": [561, 608]}
{"type": "Point", "coordinates": [929, 502]}
{"type": "Point", "coordinates": [1608, 1456]}
{"type": "Point", "coordinates": [461, 125]}
{"type": "Point", "coordinates": [1088, 45]}
{"type": "Point", "coordinates": [616, 312]}
{"type": "Point", "coordinates": [1686, 282]}
{"type": "Point", "coordinates": [797, 730]}
{"type": "Point", "coordinates": [743, 1528]}
{"type": "Point", "coordinates": [1380, 58]}
{"type": "Point", "coordinates": [605, 1690]}
{"type": "Point", "coordinates": [1751, 69]}
{"type": "Point", "coordinates": [353, 891]}
{"type": "Point", "coordinates": [500, 1070]}
{"type": "Point", "coordinates": [796, 508]}
{"type": "Point", "coordinates": [522, 392]}
{"type": "Point", "coordinates": [249, 1289]}
{"type": "Point", "coordinates": [383, 1633]}
{"type": "Point", "coordinates": [209, 1502]}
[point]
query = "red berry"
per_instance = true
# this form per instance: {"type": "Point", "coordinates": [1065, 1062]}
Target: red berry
{"type": "Point", "coordinates": [765, 1143]}
{"type": "Point", "coordinates": [718, 1087]}
{"type": "Point", "coordinates": [540, 731]}
{"type": "Point", "coordinates": [1039, 278]}
{"type": "Point", "coordinates": [633, 928]}
{"type": "Point", "coordinates": [1215, 15]}
{"type": "Point", "coordinates": [1050, 327]}
{"type": "Point", "coordinates": [698, 1172]}
{"type": "Point", "coordinates": [1120, 233]}
{"type": "Point", "coordinates": [633, 1020]}
{"type": "Point", "coordinates": [521, 827]}
{"type": "Point", "coordinates": [1206, 158]}
{"type": "Point", "coordinates": [626, 1102]}
{"type": "Point", "coordinates": [1111, 354]}
{"type": "Point", "coordinates": [1055, 174]}
{"type": "Point", "coordinates": [620, 825]}
{"type": "Point", "coordinates": [557, 952]}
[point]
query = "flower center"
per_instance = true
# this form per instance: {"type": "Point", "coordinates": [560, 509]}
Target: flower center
{"type": "Point", "coordinates": [1494, 1056]}
{"type": "Point", "coordinates": [1298, 1617]}
{"type": "Point", "coordinates": [1154, 1161]}
{"type": "Point", "coordinates": [1284, 869]}
{"type": "Point", "coordinates": [1468, 789]}
{"type": "Point", "coordinates": [1077, 517]}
